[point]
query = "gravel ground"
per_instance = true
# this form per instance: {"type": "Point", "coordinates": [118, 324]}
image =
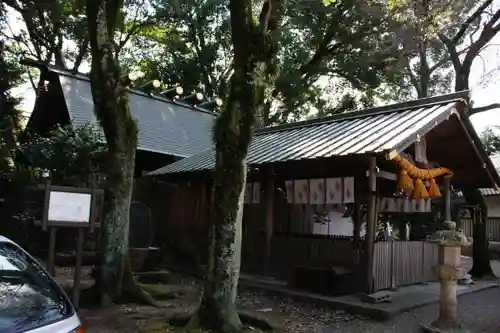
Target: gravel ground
{"type": "Point", "coordinates": [479, 312]}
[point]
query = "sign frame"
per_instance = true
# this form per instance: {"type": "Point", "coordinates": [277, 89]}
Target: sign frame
{"type": "Point", "coordinates": [96, 200]}
{"type": "Point", "coordinates": [95, 216]}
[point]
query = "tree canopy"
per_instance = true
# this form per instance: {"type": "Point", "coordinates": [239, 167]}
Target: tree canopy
{"type": "Point", "coordinates": [334, 55]}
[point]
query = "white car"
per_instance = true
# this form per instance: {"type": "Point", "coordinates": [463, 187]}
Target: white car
{"type": "Point", "coordinates": [31, 301]}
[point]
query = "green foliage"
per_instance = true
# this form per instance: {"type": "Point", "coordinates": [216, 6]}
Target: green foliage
{"type": "Point", "coordinates": [328, 2]}
{"type": "Point", "coordinates": [338, 42]}
{"type": "Point", "coordinates": [491, 140]}
{"type": "Point", "coordinates": [71, 157]}
{"type": "Point", "coordinates": [66, 157]}
{"type": "Point", "coordinates": [49, 26]}
{"type": "Point", "coordinates": [10, 115]}
{"type": "Point", "coordinates": [430, 65]}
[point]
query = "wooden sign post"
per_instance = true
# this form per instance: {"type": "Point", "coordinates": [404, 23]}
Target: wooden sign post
{"type": "Point", "coordinates": [70, 207]}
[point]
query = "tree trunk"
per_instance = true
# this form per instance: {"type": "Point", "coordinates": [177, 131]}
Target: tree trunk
{"type": "Point", "coordinates": [218, 311]}
{"type": "Point", "coordinates": [114, 243]}
{"type": "Point", "coordinates": [480, 254]}
{"type": "Point", "coordinates": [462, 79]}
{"type": "Point", "coordinates": [255, 48]}
{"type": "Point", "coordinates": [232, 135]}
{"type": "Point", "coordinates": [112, 110]}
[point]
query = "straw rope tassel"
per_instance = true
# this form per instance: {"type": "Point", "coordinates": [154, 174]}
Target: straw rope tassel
{"type": "Point", "coordinates": [419, 190]}
{"type": "Point", "coordinates": [433, 190]}
{"type": "Point", "coordinates": [404, 181]}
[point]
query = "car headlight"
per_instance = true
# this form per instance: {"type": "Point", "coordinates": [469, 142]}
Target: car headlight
{"type": "Point", "coordinates": [78, 330]}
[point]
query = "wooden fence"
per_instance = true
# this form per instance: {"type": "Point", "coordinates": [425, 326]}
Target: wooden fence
{"type": "Point", "coordinates": [492, 228]}
{"type": "Point", "coordinates": [289, 251]}
{"type": "Point", "coordinates": [401, 263]}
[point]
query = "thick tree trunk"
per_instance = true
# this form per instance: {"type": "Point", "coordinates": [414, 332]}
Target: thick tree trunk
{"type": "Point", "coordinates": [255, 48]}
{"type": "Point", "coordinates": [480, 254]}
{"type": "Point", "coordinates": [218, 311]}
{"type": "Point", "coordinates": [114, 243]}
{"type": "Point", "coordinates": [232, 135]}
{"type": "Point", "coordinates": [112, 110]}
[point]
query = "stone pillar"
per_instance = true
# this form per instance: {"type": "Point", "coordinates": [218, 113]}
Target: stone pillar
{"type": "Point", "coordinates": [450, 243]}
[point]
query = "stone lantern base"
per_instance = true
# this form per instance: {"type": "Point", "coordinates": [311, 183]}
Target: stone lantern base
{"type": "Point", "coordinates": [450, 243]}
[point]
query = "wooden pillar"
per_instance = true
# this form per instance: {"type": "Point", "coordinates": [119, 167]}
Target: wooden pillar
{"type": "Point", "coordinates": [371, 222]}
{"type": "Point", "coordinates": [269, 209]}
{"type": "Point", "coordinates": [357, 222]}
{"type": "Point", "coordinates": [447, 199]}
{"type": "Point", "coordinates": [202, 209]}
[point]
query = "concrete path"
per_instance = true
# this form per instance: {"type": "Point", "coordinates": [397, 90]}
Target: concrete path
{"type": "Point", "coordinates": [478, 313]}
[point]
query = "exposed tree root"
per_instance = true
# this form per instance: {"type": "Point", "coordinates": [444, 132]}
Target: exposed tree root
{"type": "Point", "coordinates": [190, 321]}
{"type": "Point", "coordinates": [131, 293]}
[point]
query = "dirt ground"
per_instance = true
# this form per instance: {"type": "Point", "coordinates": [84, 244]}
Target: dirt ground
{"type": "Point", "coordinates": [479, 312]}
{"type": "Point", "coordinates": [182, 296]}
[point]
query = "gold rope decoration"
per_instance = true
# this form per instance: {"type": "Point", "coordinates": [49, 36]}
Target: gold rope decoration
{"type": "Point", "coordinates": [411, 179]}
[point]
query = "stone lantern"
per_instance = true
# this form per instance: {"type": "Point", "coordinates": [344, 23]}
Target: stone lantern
{"type": "Point", "coordinates": [450, 242]}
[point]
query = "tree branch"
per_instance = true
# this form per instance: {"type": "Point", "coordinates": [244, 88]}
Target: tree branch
{"type": "Point", "coordinates": [489, 31]}
{"type": "Point", "coordinates": [81, 54]}
{"type": "Point", "coordinates": [488, 107]}
{"type": "Point", "coordinates": [476, 15]}
{"type": "Point", "coordinates": [446, 59]}
{"type": "Point", "coordinates": [452, 50]}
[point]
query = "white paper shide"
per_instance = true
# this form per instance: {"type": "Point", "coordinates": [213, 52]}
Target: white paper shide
{"type": "Point", "coordinates": [69, 207]}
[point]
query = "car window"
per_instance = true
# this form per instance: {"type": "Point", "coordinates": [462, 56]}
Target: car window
{"type": "Point", "coordinates": [29, 298]}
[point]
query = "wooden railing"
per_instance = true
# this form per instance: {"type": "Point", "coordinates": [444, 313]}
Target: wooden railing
{"type": "Point", "coordinates": [401, 263]}
{"type": "Point", "coordinates": [289, 251]}
{"type": "Point", "coordinates": [492, 228]}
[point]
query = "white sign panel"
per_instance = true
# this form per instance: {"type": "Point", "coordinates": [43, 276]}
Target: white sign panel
{"type": "Point", "coordinates": [69, 207]}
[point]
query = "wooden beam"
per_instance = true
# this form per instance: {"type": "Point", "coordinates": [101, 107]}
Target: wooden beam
{"type": "Point", "coordinates": [372, 220]}
{"type": "Point", "coordinates": [384, 175]}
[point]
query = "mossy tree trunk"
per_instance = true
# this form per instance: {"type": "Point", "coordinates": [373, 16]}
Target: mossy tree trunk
{"type": "Point", "coordinates": [255, 47]}
{"type": "Point", "coordinates": [112, 110]}
{"type": "Point", "coordinates": [480, 254]}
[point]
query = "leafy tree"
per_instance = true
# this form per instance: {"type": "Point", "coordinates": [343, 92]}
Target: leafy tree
{"type": "Point", "coordinates": [50, 26]}
{"type": "Point", "coordinates": [448, 34]}
{"type": "Point", "coordinates": [111, 106]}
{"type": "Point", "coordinates": [491, 140]}
{"type": "Point", "coordinates": [10, 125]}
{"type": "Point", "coordinates": [255, 44]}
{"type": "Point", "coordinates": [67, 156]}
{"type": "Point", "coordinates": [483, 22]}
{"type": "Point", "coordinates": [191, 46]}
{"type": "Point", "coordinates": [55, 31]}
{"type": "Point", "coordinates": [443, 39]}
{"type": "Point", "coordinates": [10, 115]}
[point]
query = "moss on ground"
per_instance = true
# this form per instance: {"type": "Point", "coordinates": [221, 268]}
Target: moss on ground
{"type": "Point", "coordinates": [161, 325]}
{"type": "Point", "coordinates": [176, 322]}
{"type": "Point", "coordinates": [162, 292]}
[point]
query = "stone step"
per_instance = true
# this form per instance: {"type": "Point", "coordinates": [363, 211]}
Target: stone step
{"type": "Point", "coordinates": [378, 297]}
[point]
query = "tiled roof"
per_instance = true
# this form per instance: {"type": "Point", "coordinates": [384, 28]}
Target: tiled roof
{"type": "Point", "coordinates": [374, 130]}
{"type": "Point", "coordinates": [495, 159]}
{"type": "Point", "coordinates": [165, 126]}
